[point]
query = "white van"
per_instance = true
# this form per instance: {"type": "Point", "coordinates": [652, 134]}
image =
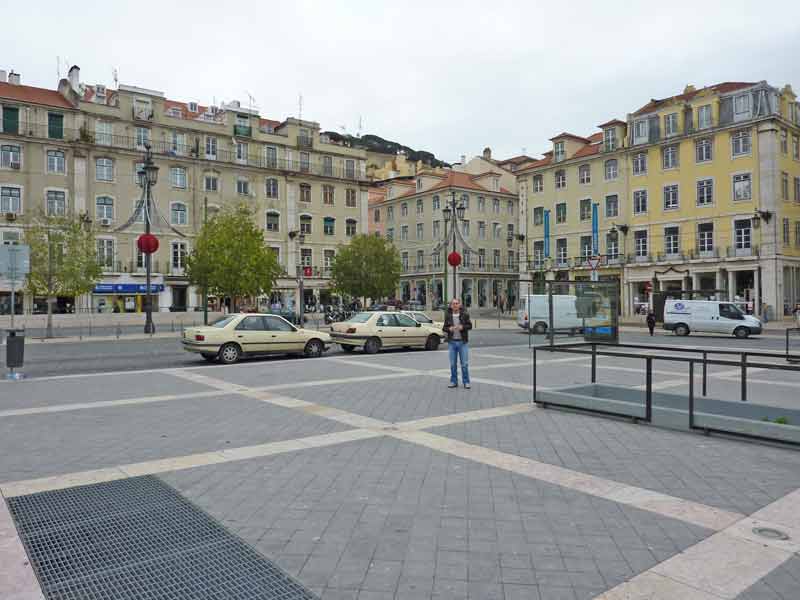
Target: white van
{"type": "Point", "coordinates": [685, 316]}
{"type": "Point", "coordinates": [534, 313]}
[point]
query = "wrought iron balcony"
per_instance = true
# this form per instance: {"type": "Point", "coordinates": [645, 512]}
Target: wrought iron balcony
{"type": "Point", "coordinates": [242, 131]}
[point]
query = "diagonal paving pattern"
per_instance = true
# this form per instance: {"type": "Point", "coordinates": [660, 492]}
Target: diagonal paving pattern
{"type": "Point", "coordinates": [733, 528]}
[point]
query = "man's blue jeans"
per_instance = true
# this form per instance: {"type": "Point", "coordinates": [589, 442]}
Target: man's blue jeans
{"type": "Point", "coordinates": [458, 350]}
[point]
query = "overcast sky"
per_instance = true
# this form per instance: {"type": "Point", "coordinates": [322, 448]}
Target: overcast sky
{"type": "Point", "coordinates": [450, 77]}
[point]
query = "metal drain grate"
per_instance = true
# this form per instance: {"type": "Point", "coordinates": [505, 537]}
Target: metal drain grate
{"type": "Point", "coordinates": [139, 538]}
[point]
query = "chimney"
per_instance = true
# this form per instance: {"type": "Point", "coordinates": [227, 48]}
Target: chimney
{"type": "Point", "coordinates": [13, 78]}
{"type": "Point", "coordinates": [487, 153]}
{"type": "Point", "coordinates": [75, 78]}
{"type": "Point", "coordinates": [3, 75]}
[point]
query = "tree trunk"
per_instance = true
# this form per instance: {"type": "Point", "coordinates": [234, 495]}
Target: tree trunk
{"type": "Point", "coordinates": [49, 332]}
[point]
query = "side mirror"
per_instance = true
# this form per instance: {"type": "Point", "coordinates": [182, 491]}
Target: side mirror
{"type": "Point", "coordinates": [419, 324]}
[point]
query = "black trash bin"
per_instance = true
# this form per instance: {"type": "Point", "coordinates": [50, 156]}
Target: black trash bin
{"type": "Point", "coordinates": [15, 348]}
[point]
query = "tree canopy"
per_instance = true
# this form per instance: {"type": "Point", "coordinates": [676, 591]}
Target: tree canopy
{"type": "Point", "coordinates": [369, 267]}
{"type": "Point", "coordinates": [230, 258]}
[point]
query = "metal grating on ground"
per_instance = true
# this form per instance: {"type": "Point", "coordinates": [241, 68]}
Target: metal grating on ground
{"type": "Point", "coordinates": [138, 538]}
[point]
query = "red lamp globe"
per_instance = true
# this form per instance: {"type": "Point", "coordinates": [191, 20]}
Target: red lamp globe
{"type": "Point", "coordinates": [147, 243]}
{"type": "Point", "coordinates": [454, 259]}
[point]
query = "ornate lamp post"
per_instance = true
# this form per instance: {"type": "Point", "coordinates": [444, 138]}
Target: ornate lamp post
{"type": "Point", "coordinates": [147, 242]}
{"type": "Point", "coordinates": [300, 238]}
{"type": "Point", "coordinates": [452, 213]}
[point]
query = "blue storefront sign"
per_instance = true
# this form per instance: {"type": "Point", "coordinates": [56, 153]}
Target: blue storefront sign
{"type": "Point", "coordinates": [547, 234]}
{"type": "Point", "coordinates": [127, 288]}
{"type": "Point", "coordinates": [595, 231]}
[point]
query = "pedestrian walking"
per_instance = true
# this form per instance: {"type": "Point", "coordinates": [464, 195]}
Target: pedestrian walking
{"type": "Point", "coordinates": [796, 313]}
{"type": "Point", "coordinates": [651, 322]}
{"type": "Point", "coordinates": [457, 325]}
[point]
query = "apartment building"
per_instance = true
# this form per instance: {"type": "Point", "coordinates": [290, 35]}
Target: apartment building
{"type": "Point", "coordinates": [78, 149]}
{"type": "Point", "coordinates": [707, 191]}
{"type": "Point", "coordinates": [411, 216]}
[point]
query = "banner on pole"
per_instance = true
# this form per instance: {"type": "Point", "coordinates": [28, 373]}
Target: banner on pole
{"type": "Point", "coordinates": [547, 234]}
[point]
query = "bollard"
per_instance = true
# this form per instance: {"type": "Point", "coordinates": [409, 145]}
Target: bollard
{"type": "Point", "coordinates": [15, 352]}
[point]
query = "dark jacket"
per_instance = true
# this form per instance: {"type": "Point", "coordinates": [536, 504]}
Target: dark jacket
{"type": "Point", "coordinates": [651, 321]}
{"type": "Point", "coordinates": [463, 319]}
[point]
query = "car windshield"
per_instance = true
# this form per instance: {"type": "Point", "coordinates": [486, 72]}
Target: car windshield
{"type": "Point", "coordinates": [422, 318]}
{"type": "Point", "coordinates": [361, 317]}
{"type": "Point", "coordinates": [223, 322]}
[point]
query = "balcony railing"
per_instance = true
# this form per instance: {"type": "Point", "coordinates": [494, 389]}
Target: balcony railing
{"type": "Point", "coordinates": [735, 252]}
{"type": "Point", "coordinates": [243, 131]}
{"type": "Point", "coordinates": [304, 141]}
{"type": "Point", "coordinates": [316, 272]}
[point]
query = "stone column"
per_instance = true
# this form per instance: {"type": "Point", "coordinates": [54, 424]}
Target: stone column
{"type": "Point", "coordinates": [719, 282]}
{"type": "Point", "coordinates": [757, 292]}
{"type": "Point", "coordinates": [731, 284]}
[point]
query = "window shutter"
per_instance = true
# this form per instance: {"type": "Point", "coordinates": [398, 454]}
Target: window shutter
{"type": "Point", "coordinates": [726, 111]}
{"type": "Point", "coordinates": [653, 128]}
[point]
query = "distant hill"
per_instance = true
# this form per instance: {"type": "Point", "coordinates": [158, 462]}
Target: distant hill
{"type": "Point", "coordinates": [373, 143]}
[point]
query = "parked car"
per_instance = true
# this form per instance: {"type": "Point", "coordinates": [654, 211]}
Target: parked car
{"type": "Point", "coordinates": [373, 331]}
{"type": "Point", "coordinates": [421, 317]}
{"type": "Point", "coordinates": [686, 316]}
{"type": "Point", "coordinates": [241, 334]}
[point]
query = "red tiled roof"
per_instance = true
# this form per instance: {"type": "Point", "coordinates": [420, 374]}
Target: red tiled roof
{"type": "Point", "coordinates": [522, 158]}
{"type": "Point", "coordinates": [184, 108]}
{"type": "Point", "coordinates": [33, 95]}
{"type": "Point", "coordinates": [564, 134]}
{"type": "Point", "coordinates": [587, 150]}
{"type": "Point", "coordinates": [612, 122]}
{"type": "Point", "coordinates": [718, 88]}
{"type": "Point", "coordinates": [269, 122]}
{"type": "Point", "coordinates": [538, 163]}
{"type": "Point", "coordinates": [459, 180]}
{"type": "Point", "coordinates": [596, 137]}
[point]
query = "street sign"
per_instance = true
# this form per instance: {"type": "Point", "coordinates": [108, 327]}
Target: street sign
{"type": "Point", "coordinates": [15, 261]}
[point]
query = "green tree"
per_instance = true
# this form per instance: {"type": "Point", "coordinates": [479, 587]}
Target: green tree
{"type": "Point", "coordinates": [368, 267]}
{"type": "Point", "coordinates": [63, 258]}
{"type": "Point", "coordinates": [230, 258]}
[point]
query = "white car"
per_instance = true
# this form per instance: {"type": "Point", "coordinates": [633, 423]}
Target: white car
{"type": "Point", "coordinates": [383, 329]}
{"type": "Point", "coordinates": [421, 317]}
{"type": "Point", "coordinates": [245, 334]}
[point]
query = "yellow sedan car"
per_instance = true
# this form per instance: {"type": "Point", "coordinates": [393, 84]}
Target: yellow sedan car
{"type": "Point", "coordinates": [375, 330]}
{"type": "Point", "coordinates": [421, 317]}
{"type": "Point", "coordinates": [247, 334]}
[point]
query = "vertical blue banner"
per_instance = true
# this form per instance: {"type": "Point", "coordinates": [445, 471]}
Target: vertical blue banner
{"type": "Point", "coordinates": [595, 231]}
{"type": "Point", "coordinates": [547, 234]}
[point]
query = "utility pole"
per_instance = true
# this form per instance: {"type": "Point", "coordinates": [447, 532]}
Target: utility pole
{"type": "Point", "coordinates": [205, 284]}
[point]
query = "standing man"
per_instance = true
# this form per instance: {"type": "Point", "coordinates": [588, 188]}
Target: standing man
{"type": "Point", "coordinates": [457, 325]}
{"type": "Point", "coordinates": [651, 322]}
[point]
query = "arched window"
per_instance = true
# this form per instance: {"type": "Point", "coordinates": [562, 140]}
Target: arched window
{"type": "Point", "coordinates": [305, 224]}
{"type": "Point", "coordinates": [584, 174]}
{"type": "Point", "coordinates": [273, 221]}
{"type": "Point", "coordinates": [350, 227]}
{"type": "Point", "coordinates": [178, 213]}
{"type": "Point", "coordinates": [611, 169]}
{"type": "Point", "coordinates": [104, 207]}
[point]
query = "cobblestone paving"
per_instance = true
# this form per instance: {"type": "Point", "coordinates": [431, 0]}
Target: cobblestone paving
{"type": "Point", "coordinates": [782, 584]}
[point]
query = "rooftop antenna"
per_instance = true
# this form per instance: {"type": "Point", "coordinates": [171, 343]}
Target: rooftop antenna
{"type": "Point", "coordinates": [300, 107]}
{"type": "Point", "coordinates": [360, 126]}
{"type": "Point", "coordinates": [252, 100]}
{"type": "Point", "coordinates": [115, 74]}
{"type": "Point", "coordinates": [58, 67]}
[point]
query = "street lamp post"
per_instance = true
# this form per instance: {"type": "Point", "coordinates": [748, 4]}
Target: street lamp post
{"type": "Point", "coordinates": [452, 213]}
{"type": "Point", "coordinates": [300, 238]}
{"type": "Point", "coordinates": [149, 180]}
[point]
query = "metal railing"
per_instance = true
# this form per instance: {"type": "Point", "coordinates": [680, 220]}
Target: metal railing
{"type": "Point", "coordinates": [651, 353]}
{"type": "Point", "coordinates": [792, 333]}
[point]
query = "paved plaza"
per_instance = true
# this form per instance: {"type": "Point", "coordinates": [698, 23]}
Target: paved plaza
{"type": "Point", "coordinates": [365, 477]}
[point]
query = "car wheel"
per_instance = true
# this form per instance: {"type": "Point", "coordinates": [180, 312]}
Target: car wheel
{"type": "Point", "coordinates": [372, 345]}
{"type": "Point", "coordinates": [539, 328]}
{"type": "Point", "coordinates": [230, 353]}
{"type": "Point", "coordinates": [681, 330]}
{"type": "Point", "coordinates": [741, 332]}
{"type": "Point", "coordinates": [313, 349]}
{"type": "Point", "coordinates": [432, 342]}
{"type": "Point", "coordinates": [209, 357]}
{"type": "Point", "coordinates": [348, 348]}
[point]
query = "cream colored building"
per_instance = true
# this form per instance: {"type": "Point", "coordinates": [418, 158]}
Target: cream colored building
{"type": "Point", "coordinates": [77, 150]}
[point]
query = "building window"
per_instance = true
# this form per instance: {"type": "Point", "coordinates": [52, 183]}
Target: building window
{"type": "Point", "coordinates": [612, 205]}
{"type": "Point", "coordinates": [350, 169]}
{"type": "Point", "coordinates": [561, 251]}
{"type": "Point", "coordinates": [350, 227]}
{"type": "Point", "coordinates": [328, 225]}
{"type": "Point", "coordinates": [558, 151]}
{"type": "Point", "coordinates": [103, 133]}
{"type": "Point", "coordinates": [10, 156]}
{"type": "Point", "coordinates": [404, 232]}
{"type": "Point", "coordinates": [350, 198]}
{"type": "Point", "coordinates": [671, 197]}
{"type": "Point", "coordinates": [538, 183]}
{"type": "Point", "coordinates": [305, 224]}
{"type": "Point", "coordinates": [640, 131]}
{"type": "Point", "coordinates": [586, 246]}
{"type": "Point", "coordinates": [561, 212]}
{"type": "Point", "coordinates": [390, 213]}
{"type": "Point", "coordinates": [211, 147]}
{"type": "Point", "coordinates": [786, 238]}
{"type": "Point", "coordinates": [179, 255]}
{"type": "Point", "coordinates": [538, 215]}
{"type": "Point", "coordinates": [177, 143]}
{"type": "Point", "coordinates": [390, 234]}
{"type": "Point", "coordinates": [669, 157]}
{"type": "Point", "coordinates": [584, 174]}
{"type": "Point", "coordinates": [511, 260]}
{"type": "Point", "coordinates": [740, 142]}
{"type": "Point", "coordinates": [612, 246]}
{"type": "Point", "coordinates": [241, 152]}
{"type": "Point", "coordinates": [482, 258]}
{"type": "Point", "coordinates": [420, 206]}
{"type": "Point", "coordinates": [510, 231]}
{"type": "Point", "coordinates": [105, 253]}
{"type": "Point", "coordinates": [586, 209]}
{"type": "Point", "coordinates": [55, 161]}
{"type": "Point", "coordinates": [705, 237]}
{"type": "Point", "coordinates": [741, 105]}
{"type": "Point", "coordinates": [465, 228]}
{"type": "Point", "coordinates": [273, 221]}
{"type": "Point", "coordinates": [797, 189]}
{"type": "Point", "coordinates": [705, 192]}
{"type": "Point", "coordinates": [496, 231]}
{"type": "Point", "coordinates": [561, 179]}
{"type": "Point", "coordinates": [420, 231]}
{"type": "Point", "coordinates": [481, 230]}
{"type": "Point", "coordinates": [436, 230]}
{"type": "Point", "coordinates": [177, 177]}
{"type": "Point", "coordinates": [704, 116]}
{"type": "Point", "coordinates": [671, 124]}
{"type": "Point", "coordinates": [785, 186]}
{"type": "Point", "coordinates": [610, 139]}
{"type": "Point", "coordinates": [243, 187]}
{"type": "Point", "coordinates": [104, 208]}
{"type": "Point", "coordinates": [465, 201]}
{"type": "Point", "coordinates": [55, 126]}
{"type": "Point", "coordinates": [640, 202]}
{"type": "Point", "coordinates": [210, 183]}
{"type": "Point", "coordinates": [784, 141]}
{"type": "Point", "coordinates": [640, 242]}
{"type": "Point", "coordinates": [742, 233]}
{"type": "Point", "coordinates": [327, 166]}
{"type": "Point", "coordinates": [496, 259]}
{"type": "Point", "coordinates": [305, 192]}
{"type": "Point", "coordinates": [640, 163]}
{"type": "Point", "coordinates": [704, 150]}
{"type": "Point", "coordinates": [271, 157]}
{"type": "Point", "coordinates": [376, 215]}
{"type": "Point", "coordinates": [305, 162]}
{"type": "Point", "coordinates": [272, 187]}
{"type": "Point", "coordinates": [796, 147]}
{"type": "Point", "coordinates": [404, 261]}
{"type": "Point", "coordinates": [104, 169]}
{"type": "Point", "coordinates": [178, 213]}
{"type": "Point", "coordinates": [56, 203]}
{"type": "Point", "coordinates": [496, 206]}
{"type": "Point", "coordinates": [742, 189]}
{"type": "Point", "coordinates": [142, 137]}
{"type": "Point", "coordinates": [306, 257]}
{"type": "Point", "coordinates": [481, 204]}
{"type": "Point", "coordinates": [510, 208]}
{"type": "Point", "coordinates": [611, 169]}
{"type": "Point", "coordinates": [436, 203]}
{"type": "Point", "coordinates": [671, 240]}
{"type": "Point", "coordinates": [404, 209]}
{"type": "Point", "coordinates": [10, 200]}
{"type": "Point", "coordinates": [327, 194]}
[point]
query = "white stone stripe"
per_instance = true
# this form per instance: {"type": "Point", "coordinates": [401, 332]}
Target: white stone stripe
{"type": "Point", "coordinates": [373, 365]}
{"type": "Point", "coordinates": [17, 579]}
{"type": "Point", "coordinates": [685, 510]}
{"type": "Point", "coordinates": [466, 417]}
{"type": "Point", "coordinates": [56, 482]}
{"type": "Point", "coordinates": [724, 565]}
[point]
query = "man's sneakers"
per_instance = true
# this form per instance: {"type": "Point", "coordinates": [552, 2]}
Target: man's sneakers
{"type": "Point", "coordinates": [466, 386]}
{"type": "Point", "coordinates": [453, 385]}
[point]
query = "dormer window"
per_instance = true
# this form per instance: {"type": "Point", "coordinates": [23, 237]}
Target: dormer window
{"type": "Point", "coordinates": [242, 120]}
{"type": "Point", "coordinates": [419, 184]}
{"type": "Point", "coordinates": [610, 139]}
{"type": "Point", "coordinates": [495, 184]}
{"type": "Point", "coordinates": [193, 107]}
{"type": "Point", "coordinates": [741, 105]}
{"type": "Point", "coordinates": [671, 124]}
{"type": "Point", "coordinates": [640, 131]}
{"type": "Point", "coordinates": [100, 94]}
{"type": "Point", "coordinates": [558, 151]}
